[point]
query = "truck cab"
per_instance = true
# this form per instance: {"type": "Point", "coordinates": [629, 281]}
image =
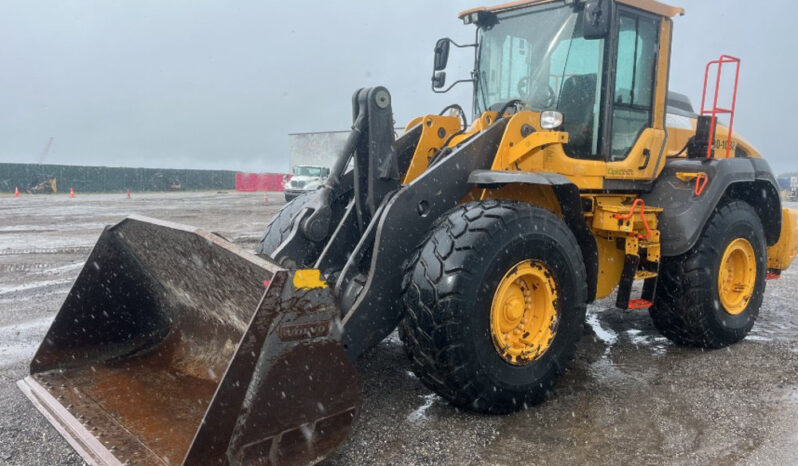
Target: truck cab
{"type": "Point", "coordinates": [305, 178]}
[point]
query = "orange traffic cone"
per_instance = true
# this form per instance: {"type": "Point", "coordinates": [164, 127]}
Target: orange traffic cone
{"type": "Point", "coordinates": [71, 192]}
{"type": "Point", "coordinates": [16, 192]}
{"type": "Point", "coordinates": [266, 199]}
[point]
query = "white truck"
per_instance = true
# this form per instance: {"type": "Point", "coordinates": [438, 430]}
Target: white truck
{"type": "Point", "coordinates": [305, 178]}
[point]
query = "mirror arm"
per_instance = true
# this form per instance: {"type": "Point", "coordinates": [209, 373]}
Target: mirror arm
{"type": "Point", "coordinates": [451, 86]}
{"type": "Point", "coordinates": [461, 46]}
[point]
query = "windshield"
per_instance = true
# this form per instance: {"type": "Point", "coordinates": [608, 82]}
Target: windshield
{"type": "Point", "coordinates": [539, 56]}
{"type": "Point", "coordinates": [307, 171]}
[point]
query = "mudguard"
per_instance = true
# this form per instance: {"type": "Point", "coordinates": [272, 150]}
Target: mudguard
{"type": "Point", "coordinates": [686, 211]}
{"type": "Point", "coordinates": [570, 206]}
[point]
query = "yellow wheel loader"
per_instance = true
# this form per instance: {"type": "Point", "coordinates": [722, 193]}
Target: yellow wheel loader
{"type": "Point", "coordinates": [481, 242]}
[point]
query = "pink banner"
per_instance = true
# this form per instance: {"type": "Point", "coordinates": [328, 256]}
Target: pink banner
{"type": "Point", "coordinates": [251, 182]}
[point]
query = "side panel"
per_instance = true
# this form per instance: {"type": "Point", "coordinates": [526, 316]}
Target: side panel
{"type": "Point", "coordinates": [685, 212]}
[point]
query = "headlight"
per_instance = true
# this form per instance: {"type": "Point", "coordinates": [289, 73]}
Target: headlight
{"type": "Point", "coordinates": [551, 119]}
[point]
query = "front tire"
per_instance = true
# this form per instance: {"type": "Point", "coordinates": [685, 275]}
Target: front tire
{"type": "Point", "coordinates": [710, 296]}
{"type": "Point", "coordinates": [280, 225]}
{"type": "Point", "coordinates": [473, 283]}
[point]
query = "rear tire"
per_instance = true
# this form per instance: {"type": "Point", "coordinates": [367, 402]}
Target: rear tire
{"type": "Point", "coordinates": [451, 286]}
{"type": "Point", "coordinates": [689, 308]}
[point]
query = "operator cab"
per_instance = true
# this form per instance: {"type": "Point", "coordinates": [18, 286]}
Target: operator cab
{"type": "Point", "coordinates": [595, 62]}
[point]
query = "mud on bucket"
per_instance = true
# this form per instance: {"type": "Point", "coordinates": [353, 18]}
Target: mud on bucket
{"type": "Point", "coordinates": [176, 347]}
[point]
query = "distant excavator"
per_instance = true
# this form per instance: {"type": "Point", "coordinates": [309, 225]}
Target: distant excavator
{"type": "Point", "coordinates": [43, 184]}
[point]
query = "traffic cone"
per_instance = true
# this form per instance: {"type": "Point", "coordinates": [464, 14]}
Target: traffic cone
{"type": "Point", "coordinates": [16, 192]}
{"type": "Point", "coordinates": [71, 192]}
{"type": "Point", "coordinates": [128, 194]}
{"type": "Point", "coordinates": [266, 199]}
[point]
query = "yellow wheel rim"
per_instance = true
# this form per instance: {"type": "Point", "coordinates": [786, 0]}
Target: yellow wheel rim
{"type": "Point", "coordinates": [523, 318]}
{"type": "Point", "coordinates": [737, 276]}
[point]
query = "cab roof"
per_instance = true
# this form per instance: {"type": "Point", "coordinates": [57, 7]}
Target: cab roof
{"type": "Point", "coordinates": [647, 5]}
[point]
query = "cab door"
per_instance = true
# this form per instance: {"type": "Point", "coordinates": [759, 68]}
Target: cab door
{"type": "Point", "coordinates": [636, 107]}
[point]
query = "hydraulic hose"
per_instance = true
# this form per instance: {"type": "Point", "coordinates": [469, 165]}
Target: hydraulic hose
{"type": "Point", "coordinates": [346, 153]}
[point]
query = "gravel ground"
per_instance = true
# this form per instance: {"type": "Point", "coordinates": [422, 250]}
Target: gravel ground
{"type": "Point", "coordinates": [630, 396]}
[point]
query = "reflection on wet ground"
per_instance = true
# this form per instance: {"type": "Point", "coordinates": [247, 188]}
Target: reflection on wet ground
{"type": "Point", "coordinates": [645, 400]}
{"type": "Point", "coordinates": [630, 396]}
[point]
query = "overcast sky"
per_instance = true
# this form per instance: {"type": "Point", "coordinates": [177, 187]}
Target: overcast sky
{"type": "Point", "coordinates": [212, 84]}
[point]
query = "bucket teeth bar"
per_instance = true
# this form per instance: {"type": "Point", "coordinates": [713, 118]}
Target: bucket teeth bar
{"type": "Point", "coordinates": [169, 349]}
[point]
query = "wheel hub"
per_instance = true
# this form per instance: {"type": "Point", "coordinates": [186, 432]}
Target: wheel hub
{"type": "Point", "coordinates": [523, 317]}
{"type": "Point", "coordinates": [737, 276]}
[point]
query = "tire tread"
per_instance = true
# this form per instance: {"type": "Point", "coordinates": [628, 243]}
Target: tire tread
{"type": "Point", "coordinates": [681, 310]}
{"type": "Point", "coordinates": [431, 325]}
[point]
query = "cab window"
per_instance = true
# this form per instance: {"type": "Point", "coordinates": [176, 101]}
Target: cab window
{"type": "Point", "coordinates": [634, 82]}
{"type": "Point", "coordinates": [576, 80]}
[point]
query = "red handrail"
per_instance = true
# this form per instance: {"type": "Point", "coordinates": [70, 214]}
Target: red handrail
{"type": "Point", "coordinates": [700, 183]}
{"type": "Point", "coordinates": [642, 204]}
{"type": "Point", "coordinates": [715, 110]}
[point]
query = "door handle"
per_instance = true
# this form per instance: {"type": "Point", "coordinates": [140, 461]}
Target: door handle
{"type": "Point", "coordinates": [647, 154]}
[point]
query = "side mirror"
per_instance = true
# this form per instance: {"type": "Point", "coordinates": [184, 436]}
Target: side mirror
{"type": "Point", "coordinates": [441, 59]}
{"type": "Point", "coordinates": [597, 19]}
{"type": "Point", "coordinates": [438, 79]}
{"type": "Point", "coordinates": [441, 54]}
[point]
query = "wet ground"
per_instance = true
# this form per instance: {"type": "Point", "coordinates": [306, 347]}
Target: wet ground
{"type": "Point", "coordinates": [630, 396]}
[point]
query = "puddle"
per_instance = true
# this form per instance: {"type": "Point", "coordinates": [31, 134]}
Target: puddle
{"type": "Point", "coordinates": [757, 338]}
{"type": "Point", "coordinates": [32, 286]}
{"type": "Point", "coordinates": [778, 317]}
{"type": "Point", "coordinates": [606, 335]}
{"type": "Point", "coordinates": [48, 250]}
{"type": "Point", "coordinates": [18, 342]}
{"type": "Point", "coordinates": [657, 343]}
{"type": "Point", "coordinates": [393, 339]}
{"type": "Point", "coordinates": [420, 414]}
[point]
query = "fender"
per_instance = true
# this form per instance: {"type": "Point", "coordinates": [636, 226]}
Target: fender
{"type": "Point", "coordinates": [686, 213]}
{"type": "Point", "coordinates": [570, 207]}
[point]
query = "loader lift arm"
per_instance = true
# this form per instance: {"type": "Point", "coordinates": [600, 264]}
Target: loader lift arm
{"type": "Point", "coordinates": [374, 174]}
{"type": "Point", "coordinates": [364, 222]}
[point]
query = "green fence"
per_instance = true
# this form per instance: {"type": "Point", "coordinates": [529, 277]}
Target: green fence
{"type": "Point", "coordinates": [110, 179]}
